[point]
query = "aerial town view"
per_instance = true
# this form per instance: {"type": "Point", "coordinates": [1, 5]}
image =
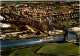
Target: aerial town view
{"type": "Point", "coordinates": [39, 28]}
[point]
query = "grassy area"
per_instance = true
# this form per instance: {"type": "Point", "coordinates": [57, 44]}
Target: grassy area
{"type": "Point", "coordinates": [58, 10]}
{"type": "Point", "coordinates": [44, 10]}
{"type": "Point", "coordinates": [68, 22]}
{"type": "Point", "coordinates": [63, 49]}
{"type": "Point", "coordinates": [14, 28]}
{"type": "Point", "coordinates": [61, 10]}
{"type": "Point", "coordinates": [10, 52]}
{"type": "Point", "coordinates": [26, 51]}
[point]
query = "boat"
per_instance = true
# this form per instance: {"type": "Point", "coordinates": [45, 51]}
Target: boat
{"type": "Point", "coordinates": [50, 38]}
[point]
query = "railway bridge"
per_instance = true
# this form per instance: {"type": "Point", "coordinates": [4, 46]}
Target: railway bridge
{"type": "Point", "coordinates": [19, 21]}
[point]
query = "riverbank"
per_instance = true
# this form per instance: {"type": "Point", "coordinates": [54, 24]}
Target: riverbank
{"type": "Point", "coordinates": [9, 52]}
{"type": "Point", "coordinates": [43, 50]}
{"type": "Point", "coordinates": [36, 36]}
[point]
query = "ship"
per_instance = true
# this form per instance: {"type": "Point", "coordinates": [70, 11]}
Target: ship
{"type": "Point", "coordinates": [50, 38]}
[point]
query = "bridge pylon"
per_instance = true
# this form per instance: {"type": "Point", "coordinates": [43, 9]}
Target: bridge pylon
{"type": "Point", "coordinates": [65, 36]}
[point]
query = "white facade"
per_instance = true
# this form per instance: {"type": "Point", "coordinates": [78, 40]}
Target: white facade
{"type": "Point", "coordinates": [3, 25]}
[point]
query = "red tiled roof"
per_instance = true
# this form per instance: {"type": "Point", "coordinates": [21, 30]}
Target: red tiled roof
{"type": "Point", "coordinates": [26, 10]}
{"type": "Point", "coordinates": [49, 12]}
{"type": "Point", "coordinates": [29, 13]}
{"type": "Point", "coordinates": [34, 14]}
{"type": "Point", "coordinates": [43, 12]}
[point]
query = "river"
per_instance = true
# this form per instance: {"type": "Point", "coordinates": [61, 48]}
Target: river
{"type": "Point", "coordinates": [12, 43]}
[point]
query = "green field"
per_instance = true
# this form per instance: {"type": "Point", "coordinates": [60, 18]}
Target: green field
{"type": "Point", "coordinates": [21, 51]}
{"type": "Point", "coordinates": [58, 10]}
{"type": "Point", "coordinates": [61, 10]}
{"type": "Point", "coordinates": [26, 51]}
{"type": "Point", "coordinates": [63, 49]}
{"type": "Point", "coordinates": [68, 22]}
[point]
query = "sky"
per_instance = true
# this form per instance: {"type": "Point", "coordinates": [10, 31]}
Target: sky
{"type": "Point", "coordinates": [39, 0]}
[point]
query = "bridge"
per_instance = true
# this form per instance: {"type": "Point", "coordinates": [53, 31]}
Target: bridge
{"type": "Point", "coordinates": [19, 21]}
{"type": "Point", "coordinates": [66, 29]}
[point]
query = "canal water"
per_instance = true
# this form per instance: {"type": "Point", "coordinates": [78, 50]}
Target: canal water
{"type": "Point", "coordinates": [12, 43]}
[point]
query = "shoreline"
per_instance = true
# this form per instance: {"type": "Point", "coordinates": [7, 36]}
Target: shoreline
{"type": "Point", "coordinates": [22, 47]}
{"type": "Point", "coordinates": [34, 37]}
